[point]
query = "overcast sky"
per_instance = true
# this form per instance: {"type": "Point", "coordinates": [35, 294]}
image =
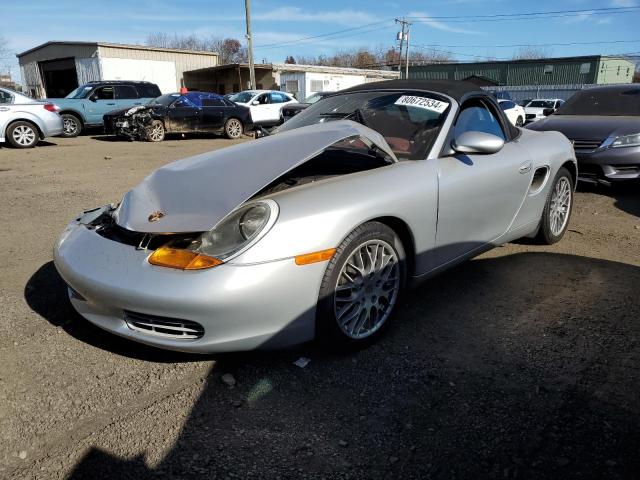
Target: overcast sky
{"type": "Point", "coordinates": [279, 25]}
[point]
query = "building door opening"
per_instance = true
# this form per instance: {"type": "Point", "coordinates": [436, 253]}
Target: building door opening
{"type": "Point", "coordinates": [59, 77]}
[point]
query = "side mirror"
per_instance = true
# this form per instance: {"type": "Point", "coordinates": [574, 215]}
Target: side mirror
{"type": "Point", "coordinates": [477, 142]}
{"type": "Point", "coordinates": [93, 97]}
{"type": "Point", "coordinates": [548, 111]}
{"type": "Point", "coordinates": [255, 102]}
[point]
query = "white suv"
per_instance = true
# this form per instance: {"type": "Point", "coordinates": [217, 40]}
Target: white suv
{"type": "Point", "coordinates": [534, 110]}
{"type": "Point", "coordinates": [265, 105]}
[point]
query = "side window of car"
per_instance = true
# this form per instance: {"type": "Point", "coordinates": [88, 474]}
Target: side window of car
{"type": "Point", "coordinates": [212, 102]}
{"type": "Point", "coordinates": [5, 97]}
{"type": "Point", "coordinates": [476, 116]}
{"type": "Point", "coordinates": [278, 98]}
{"type": "Point", "coordinates": [148, 91]}
{"type": "Point", "coordinates": [104, 93]}
{"type": "Point", "coordinates": [506, 105]}
{"type": "Point", "coordinates": [124, 92]}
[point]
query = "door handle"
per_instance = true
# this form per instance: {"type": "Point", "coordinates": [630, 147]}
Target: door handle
{"type": "Point", "coordinates": [525, 167]}
{"type": "Point", "coordinates": [110, 103]}
{"type": "Point", "coordinates": [4, 109]}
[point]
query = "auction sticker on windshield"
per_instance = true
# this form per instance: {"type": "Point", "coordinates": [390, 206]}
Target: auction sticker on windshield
{"type": "Point", "coordinates": [422, 102]}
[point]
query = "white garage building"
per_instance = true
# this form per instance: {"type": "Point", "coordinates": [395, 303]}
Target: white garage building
{"type": "Point", "coordinates": [54, 69]}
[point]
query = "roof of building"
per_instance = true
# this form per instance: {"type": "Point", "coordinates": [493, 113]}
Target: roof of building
{"type": "Point", "coordinates": [453, 88]}
{"type": "Point", "coordinates": [115, 45]}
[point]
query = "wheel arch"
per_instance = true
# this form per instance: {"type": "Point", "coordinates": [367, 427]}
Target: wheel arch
{"type": "Point", "coordinates": [571, 166]}
{"type": "Point", "coordinates": [27, 120]}
{"type": "Point", "coordinates": [75, 114]}
{"type": "Point", "coordinates": [402, 229]}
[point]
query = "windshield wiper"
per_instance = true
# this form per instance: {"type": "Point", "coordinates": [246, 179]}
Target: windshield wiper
{"type": "Point", "coordinates": [356, 114]}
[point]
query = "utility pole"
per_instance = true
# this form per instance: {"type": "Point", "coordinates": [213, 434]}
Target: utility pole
{"type": "Point", "coordinates": [401, 38]}
{"type": "Point", "coordinates": [402, 35]}
{"type": "Point", "coordinates": [252, 72]}
{"type": "Point", "coordinates": [406, 60]}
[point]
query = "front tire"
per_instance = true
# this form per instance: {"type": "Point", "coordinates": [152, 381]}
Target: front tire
{"type": "Point", "coordinates": [71, 125]}
{"type": "Point", "coordinates": [519, 121]}
{"type": "Point", "coordinates": [22, 135]}
{"type": "Point", "coordinates": [233, 128]}
{"type": "Point", "coordinates": [557, 209]}
{"type": "Point", "coordinates": [155, 131]}
{"type": "Point", "coordinates": [361, 286]}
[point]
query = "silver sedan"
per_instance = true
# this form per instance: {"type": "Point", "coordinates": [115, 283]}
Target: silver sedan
{"type": "Point", "coordinates": [317, 229]}
{"type": "Point", "coordinates": [25, 121]}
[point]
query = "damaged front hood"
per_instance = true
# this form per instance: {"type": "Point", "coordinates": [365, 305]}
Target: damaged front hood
{"type": "Point", "coordinates": [194, 194]}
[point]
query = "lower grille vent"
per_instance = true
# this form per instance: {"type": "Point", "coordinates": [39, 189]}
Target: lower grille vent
{"type": "Point", "coordinates": [586, 144]}
{"type": "Point", "coordinates": [163, 326]}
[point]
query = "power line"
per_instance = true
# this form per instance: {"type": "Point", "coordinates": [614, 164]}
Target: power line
{"type": "Point", "coordinates": [589, 11]}
{"type": "Point", "coordinates": [324, 35]}
{"type": "Point", "coordinates": [538, 44]}
{"type": "Point", "coordinates": [431, 20]}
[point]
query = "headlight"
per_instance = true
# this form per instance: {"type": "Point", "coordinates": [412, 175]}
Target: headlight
{"type": "Point", "coordinates": [235, 234]}
{"type": "Point", "coordinates": [627, 141]}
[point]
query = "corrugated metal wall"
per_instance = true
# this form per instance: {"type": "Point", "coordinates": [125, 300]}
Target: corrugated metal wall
{"type": "Point", "coordinates": [523, 92]}
{"type": "Point", "coordinates": [544, 72]}
{"type": "Point", "coordinates": [183, 61]}
{"type": "Point", "coordinates": [88, 70]}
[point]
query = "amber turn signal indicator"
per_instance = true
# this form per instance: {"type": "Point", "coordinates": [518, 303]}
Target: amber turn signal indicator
{"type": "Point", "coordinates": [182, 259]}
{"type": "Point", "coordinates": [315, 257]}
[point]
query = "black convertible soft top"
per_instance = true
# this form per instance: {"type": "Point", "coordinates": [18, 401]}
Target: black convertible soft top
{"type": "Point", "coordinates": [455, 89]}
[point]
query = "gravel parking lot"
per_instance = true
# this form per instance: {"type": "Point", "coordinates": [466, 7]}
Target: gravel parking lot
{"type": "Point", "coordinates": [522, 363]}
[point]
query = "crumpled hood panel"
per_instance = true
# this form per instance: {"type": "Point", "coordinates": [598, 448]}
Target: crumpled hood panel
{"type": "Point", "coordinates": [194, 194]}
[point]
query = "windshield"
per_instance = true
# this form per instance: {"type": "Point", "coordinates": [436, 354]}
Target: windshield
{"type": "Point", "coordinates": [541, 104]}
{"type": "Point", "coordinates": [409, 123]}
{"type": "Point", "coordinates": [164, 100]}
{"type": "Point", "coordinates": [313, 98]}
{"type": "Point", "coordinates": [609, 101]}
{"type": "Point", "coordinates": [81, 92]}
{"type": "Point", "coordinates": [242, 97]}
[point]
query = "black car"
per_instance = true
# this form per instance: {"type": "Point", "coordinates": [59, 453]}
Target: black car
{"type": "Point", "coordinates": [292, 109]}
{"type": "Point", "coordinates": [192, 112]}
{"type": "Point", "coordinates": [603, 123]}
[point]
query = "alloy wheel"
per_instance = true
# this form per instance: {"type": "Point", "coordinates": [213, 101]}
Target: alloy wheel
{"type": "Point", "coordinates": [70, 126]}
{"type": "Point", "coordinates": [560, 206]}
{"type": "Point", "coordinates": [367, 289]}
{"type": "Point", "coordinates": [24, 135]}
{"type": "Point", "coordinates": [156, 133]}
{"type": "Point", "coordinates": [234, 128]}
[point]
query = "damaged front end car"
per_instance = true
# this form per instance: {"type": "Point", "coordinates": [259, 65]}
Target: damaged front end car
{"type": "Point", "coordinates": [137, 123]}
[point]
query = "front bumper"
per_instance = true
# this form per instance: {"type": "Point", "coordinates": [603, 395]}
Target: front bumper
{"type": "Point", "coordinates": [609, 164]}
{"type": "Point", "coordinates": [240, 307]}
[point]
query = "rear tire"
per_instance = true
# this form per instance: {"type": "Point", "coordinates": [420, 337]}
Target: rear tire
{"type": "Point", "coordinates": [23, 134]}
{"type": "Point", "coordinates": [361, 287]}
{"type": "Point", "coordinates": [155, 131]}
{"type": "Point", "coordinates": [233, 128]}
{"type": "Point", "coordinates": [557, 210]}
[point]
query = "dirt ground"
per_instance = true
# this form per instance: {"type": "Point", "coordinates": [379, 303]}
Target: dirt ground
{"type": "Point", "coordinates": [522, 363]}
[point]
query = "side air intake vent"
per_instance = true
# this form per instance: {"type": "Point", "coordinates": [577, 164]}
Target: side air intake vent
{"type": "Point", "coordinates": [539, 179]}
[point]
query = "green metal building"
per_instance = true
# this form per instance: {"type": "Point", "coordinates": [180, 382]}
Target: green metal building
{"type": "Point", "coordinates": [594, 70]}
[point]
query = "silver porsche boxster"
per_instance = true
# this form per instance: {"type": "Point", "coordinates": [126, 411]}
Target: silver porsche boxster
{"type": "Point", "coordinates": [316, 230]}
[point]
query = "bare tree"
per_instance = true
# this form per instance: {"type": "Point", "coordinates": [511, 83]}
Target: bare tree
{"type": "Point", "coordinates": [230, 50]}
{"type": "Point", "coordinates": [531, 53]}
